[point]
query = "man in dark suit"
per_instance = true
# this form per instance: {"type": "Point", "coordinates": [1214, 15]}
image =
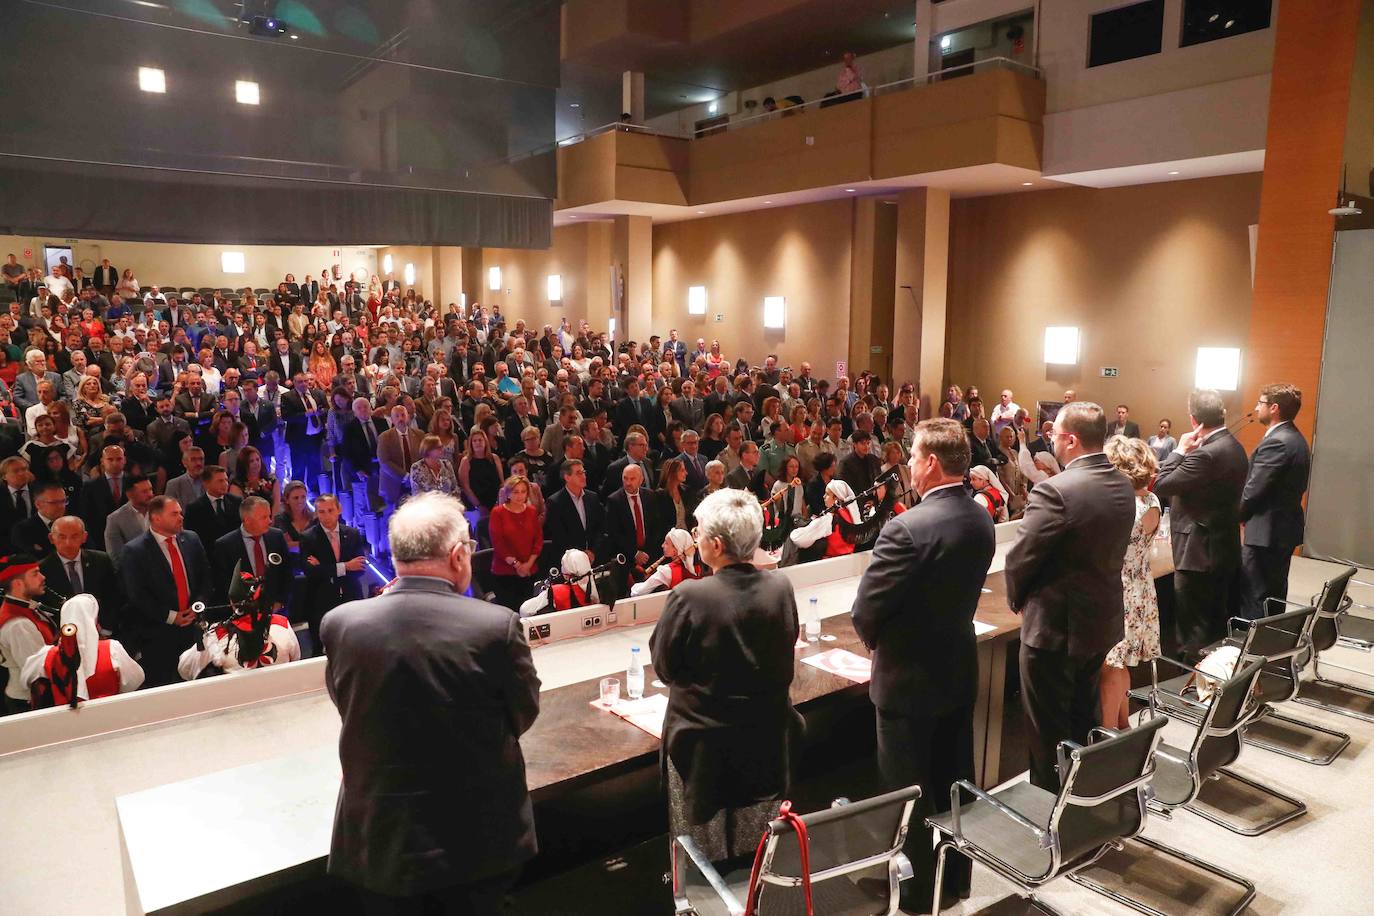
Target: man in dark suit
{"type": "Point", "coordinates": [106, 277]}
{"type": "Point", "coordinates": [361, 437]}
{"type": "Point", "coordinates": [748, 476]}
{"type": "Point", "coordinates": [251, 546]}
{"type": "Point", "coordinates": [914, 609]}
{"type": "Point", "coordinates": [1203, 480]}
{"type": "Point", "coordinates": [71, 570]}
{"type": "Point", "coordinates": [165, 571]}
{"type": "Point", "coordinates": [631, 410]}
{"type": "Point", "coordinates": [1271, 503]}
{"type": "Point", "coordinates": [1063, 574]}
{"type": "Point", "coordinates": [574, 515]}
{"type": "Point", "coordinates": [634, 526]}
{"type": "Point", "coordinates": [860, 467]}
{"type": "Point", "coordinates": [32, 535]}
{"type": "Point", "coordinates": [303, 413]}
{"type": "Point", "coordinates": [284, 361]}
{"type": "Point", "coordinates": [16, 496]}
{"type": "Point", "coordinates": [216, 512]}
{"type": "Point", "coordinates": [102, 495]}
{"type": "Point", "coordinates": [1124, 425]}
{"type": "Point", "coordinates": [334, 557]}
{"type": "Point", "coordinates": [461, 707]}
{"type": "Point", "coordinates": [637, 453]}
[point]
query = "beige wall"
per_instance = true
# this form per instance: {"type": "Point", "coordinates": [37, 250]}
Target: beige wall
{"type": "Point", "coordinates": [580, 254]}
{"type": "Point", "coordinates": [195, 266]}
{"type": "Point", "coordinates": [801, 252]}
{"type": "Point", "coordinates": [1148, 274]}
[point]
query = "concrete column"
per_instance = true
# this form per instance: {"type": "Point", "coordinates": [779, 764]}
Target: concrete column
{"type": "Point", "coordinates": [921, 279]}
{"type": "Point", "coordinates": [634, 261]}
{"type": "Point", "coordinates": [632, 95]}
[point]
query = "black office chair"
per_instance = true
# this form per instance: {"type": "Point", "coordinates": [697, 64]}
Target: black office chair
{"type": "Point", "coordinates": [1181, 776]}
{"type": "Point", "coordinates": [481, 574]}
{"type": "Point", "coordinates": [1030, 836]}
{"type": "Point", "coordinates": [1219, 789]}
{"type": "Point", "coordinates": [855, 857]}
{"type": "Point", "coordinates": [1337, 626]}
{"type": "Point", "coordinates": [1284, 640]}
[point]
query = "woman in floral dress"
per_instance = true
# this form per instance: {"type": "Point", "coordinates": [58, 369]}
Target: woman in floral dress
{"type": "Point", "coordinates": [1137, 461]}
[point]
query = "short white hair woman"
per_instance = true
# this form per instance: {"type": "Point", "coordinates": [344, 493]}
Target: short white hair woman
{"type": "Point", "coordinates": [724, 647]}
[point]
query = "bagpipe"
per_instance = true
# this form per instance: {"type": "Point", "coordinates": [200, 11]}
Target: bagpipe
{"type": "Point", "coordinates": [777, 522]}
{"type": "Point", "coordinates": [66, 667]}
{"type": "Point", "coordinates": [246, 618]}
{"type": "Point", "coordinates": [873, 509]}
{"type": "Point", "coordinates": [603, 578]}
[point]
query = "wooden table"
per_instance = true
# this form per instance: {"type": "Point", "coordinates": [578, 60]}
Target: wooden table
{"type": "Point", "coordinates": [572, 742]}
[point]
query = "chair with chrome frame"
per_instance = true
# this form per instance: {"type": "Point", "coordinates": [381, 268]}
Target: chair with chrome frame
{"type": "Point", "coordinates": [1336, 626]}
{"type": "Point", "coordinates": [1101, 804]}
{"type": "Point", "coordinates": [1206, 783]}
{"type": "Point", "coordinates": [1284, 641]}
{"type": "Point", "coordinates": [855, 862]}
{"type": "Point", "coordinates": [1180, 777]}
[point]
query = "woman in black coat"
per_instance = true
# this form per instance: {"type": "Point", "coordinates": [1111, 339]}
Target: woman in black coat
{"type": "Point", "coordinates": [724, 646]}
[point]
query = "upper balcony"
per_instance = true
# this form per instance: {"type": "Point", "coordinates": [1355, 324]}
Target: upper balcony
{"type": "Point", "coordinates": [978, 133]}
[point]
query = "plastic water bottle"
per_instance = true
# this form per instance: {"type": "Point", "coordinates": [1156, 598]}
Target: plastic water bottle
{"type": "Point", "coordinates": [634, 675]}
{"type": "Point", "coordinates": [813, 621]}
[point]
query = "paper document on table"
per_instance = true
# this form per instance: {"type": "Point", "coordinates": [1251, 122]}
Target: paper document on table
{"type": "Point", "coordinates": [645, 713]}
{"type": "Point", "coordinates": [842, 663]}
{"type": "Point", "coordinates": [979, 628]}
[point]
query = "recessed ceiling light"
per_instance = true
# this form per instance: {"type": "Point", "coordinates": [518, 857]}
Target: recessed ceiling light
{"type": "Point", "coordinates": [849, 190]}
{"type": "Point", "coordinates": [1027, 184]}
{"type": "Point", "coordinates": [768, 201]}
{"type": "Point", "coordinates": [1214, 17]}
{"type": "Point", "coordinates": [246, 92]}
{"type": "Point", "coordinates": [151, 79]}
{"type": "Point", "coordinates": [1230, 22]}
{"type": "Point", "coordinates": [701, 211]}
{"type": "Point", "coordinates": [1173, 173]}
{"type": "Point", "coordinates": [574, 104]}
{"type": "Point", "coordinates": [295, 37]}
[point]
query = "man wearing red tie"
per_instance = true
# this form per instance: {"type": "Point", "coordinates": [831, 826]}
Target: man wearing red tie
{"type": "Point", "coordinates": [251, 546]}
{"type": "Point", "coordinates": [165, 571]}
{"type": "Point", "coordinates": [633, 526]}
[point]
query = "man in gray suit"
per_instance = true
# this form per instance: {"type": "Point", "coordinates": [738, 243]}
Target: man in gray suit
{"type": "Point", "coordinates": [129, 520]}
{"type": "Point", "coordinates": [187, 488]}
{"type": "Point", "coordinates": [26, 383]}
{"type": "Point", "coordinates": [434, 812]}
{"type": "Point", "coordinates": [1063, 574]}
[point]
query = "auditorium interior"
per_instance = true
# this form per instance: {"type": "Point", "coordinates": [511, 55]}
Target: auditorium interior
{"type": "Point", "coordinates": [1114, 201]}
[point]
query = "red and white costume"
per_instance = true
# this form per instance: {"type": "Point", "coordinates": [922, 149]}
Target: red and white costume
{"type": "Point", "coordinates": [106, 669]}
{"type": "Point", "coordinates": [578, 591]}
{"type": "Point", "coordinates": [221, 648]}
{"type": "Point", "coordinates": [670, 573]}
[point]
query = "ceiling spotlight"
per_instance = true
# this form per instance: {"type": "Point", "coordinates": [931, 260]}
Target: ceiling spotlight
{"type": "Point", "coordinates": [701, 211]}
{"type": "Point", "coordinates": [945, 42]}
{"type": "Point", "coordinates": [246, 92]}
{"type": "Point", "coordinates": [295, 37]}
{"type": "Point", "coordinates": [713, 107]}
{"type": "Point", "coordinates": [574, 104]}
{"type": "Point", "coordinates": [1230, 22]}
{"type": "Point", "coordinates": [1027, 184]}
{"type": "Point", "coordinates": [1175, 172]}
{"type": "Point", "coordinates": [849, 190]}
{"type": "Point", "coordinates": [1214, 17]}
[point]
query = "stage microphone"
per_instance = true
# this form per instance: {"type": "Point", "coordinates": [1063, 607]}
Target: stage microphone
{"type": "Point", "coordinates": [1243, 421]}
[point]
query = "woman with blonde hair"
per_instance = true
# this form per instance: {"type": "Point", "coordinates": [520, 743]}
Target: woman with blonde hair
{"type": "Point", "coordinates": [431, 473]}
{"type": "Point", "coordinates": [1137, 461]}
{"type": "Point", "coordinates": [479, 473]}
{"type": "Point", "coordinates": [90, 404]}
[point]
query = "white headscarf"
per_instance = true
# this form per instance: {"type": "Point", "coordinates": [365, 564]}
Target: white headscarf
{"type": "Point", "coordinates": [82, 611]}
{"type": "Point", "coordinates": [1048, 462]}
{"type": "Point", "coordinates": [682, 542]}
{"type": "Point", "coordinates": [983, 471]}
{"type": "Point", "coordinates": [577, 568]}
{"type": "Point", "coordinates": [844, 496]}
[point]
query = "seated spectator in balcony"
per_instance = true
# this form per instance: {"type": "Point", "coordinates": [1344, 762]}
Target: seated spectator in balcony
{"type": "Point", "coordinates": [850, 81]}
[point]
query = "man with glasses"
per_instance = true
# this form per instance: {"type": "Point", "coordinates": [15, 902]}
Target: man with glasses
{"type": "Point", "coordinates": [33, 535]}
{"type": "Point", "coordinates": [469, 691]}
{"type": "Point", "coordinates": [1271, 503]}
